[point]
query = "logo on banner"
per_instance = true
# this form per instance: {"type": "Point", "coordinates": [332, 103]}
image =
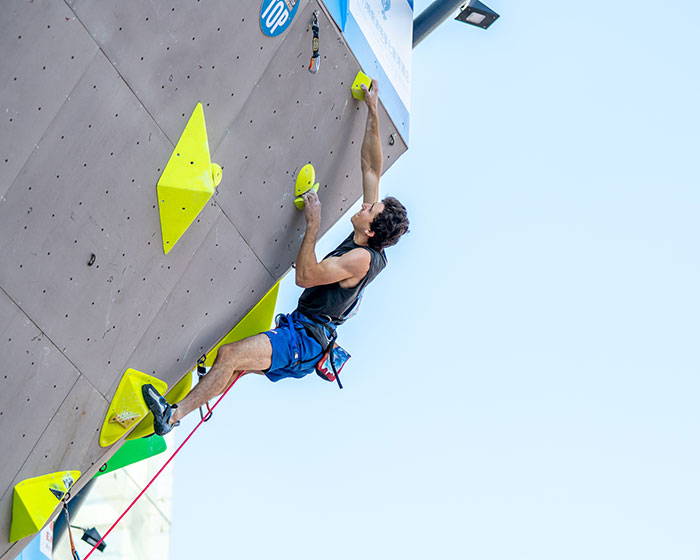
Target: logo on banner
{"type": "Point", "coordinates": [276, 15]}
{"type": "Point", "coordinates": [46, 541]}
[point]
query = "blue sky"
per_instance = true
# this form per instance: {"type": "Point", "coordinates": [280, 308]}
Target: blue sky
{"type": "Point", "coordinates": [524, 380]}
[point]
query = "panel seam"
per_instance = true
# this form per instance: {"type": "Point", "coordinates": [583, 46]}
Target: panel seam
{"type": "Point", "coordinates": [121, 77]}
{"type": "Point", "coordinates": [48, 126]}
{"type": "Point", "coordinates": [80, 376]}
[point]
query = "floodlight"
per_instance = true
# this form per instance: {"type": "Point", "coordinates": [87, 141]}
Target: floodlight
{"type": "Point", "coordinates": [472, 12]}
{"type": "Point", "coordinates": [92, 537]}
{"type": "Point", "coordinates": [478, 14]}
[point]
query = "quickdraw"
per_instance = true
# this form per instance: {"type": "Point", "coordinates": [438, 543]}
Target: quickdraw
{"type": "Point", "coordinates": [315, 61]}
{"type": "Point", "coordinates": [201, 372]}
{"type": "Point", "coordinates": [73, 551]}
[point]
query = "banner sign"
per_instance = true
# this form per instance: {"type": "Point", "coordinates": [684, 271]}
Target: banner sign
{"type": "Point", "coordinates": [388, 26]}
{"type": "Point", "coordinates": [380, 34]}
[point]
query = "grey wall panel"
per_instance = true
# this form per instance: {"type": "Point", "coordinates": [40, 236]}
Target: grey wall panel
{"type": "Point", "coordinates": [223, 282]}
{"type": "Point", "coordinates": [34, 380]}
{"type": "Point", "coordinates": [44, 52]}
{"type": "Point", "coordinates": [176, 52]}
{"type": "Point", "coordinates": [70, 442]}
{"type": "Point", "coordinates": [89, 188]}
{"type": "Point", "coordinates": [291, 118]}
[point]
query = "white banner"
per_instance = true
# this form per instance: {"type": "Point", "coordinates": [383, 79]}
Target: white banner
{"type": "Point", "coordinates": [388, 28]}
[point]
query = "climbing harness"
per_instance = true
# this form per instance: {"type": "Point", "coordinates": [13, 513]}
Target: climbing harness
{"type": "Point", "coordinates": [201, 372]}
{"type": "Point", "coordinates": [315, 60]}
{"type": "Point", "coordinates": [73, 551]}
{"type": "Point", "coordinates": [324, 333]}
{"type": "Point", "coordinates": [136, 499]}
{"type": "Point", "coordinates": [332, 357]}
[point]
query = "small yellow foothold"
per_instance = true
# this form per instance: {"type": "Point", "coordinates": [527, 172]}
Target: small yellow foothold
{"type": "Point", "coordinates": [216, 174]}
{"type": "Point", "coordinates": [125, 418]}
{"type": "Point", "coordinates": [356, 87]}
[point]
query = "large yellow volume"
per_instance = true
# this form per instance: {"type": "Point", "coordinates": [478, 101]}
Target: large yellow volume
{"type": "Point", "coordinates": [34, 500]}
{"type": "Point", "coordinates": [188, 181]}
{"type": "Point", "coordinates": [257, 320]}
{"type": "Point", "coordinates": [127, 407]}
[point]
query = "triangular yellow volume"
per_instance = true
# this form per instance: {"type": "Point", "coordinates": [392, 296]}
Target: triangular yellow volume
{"type": "Point", "coordinates": [127, 407]}
{"type": "Point", "coordinates": [34, 500]}
{"type": "Point", "coordinates": [188, 181]}
{"type": "Point", "coordinates": [257, 320]}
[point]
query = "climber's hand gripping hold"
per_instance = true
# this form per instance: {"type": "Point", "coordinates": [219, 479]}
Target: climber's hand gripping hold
{"type": "Point", "coordinates": [371, 94]}
{"type": "Point", "coordinates": [312, 209]}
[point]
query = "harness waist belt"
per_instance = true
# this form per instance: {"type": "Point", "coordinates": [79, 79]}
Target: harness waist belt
{"type": "Point", "coordinates": [322, 332]}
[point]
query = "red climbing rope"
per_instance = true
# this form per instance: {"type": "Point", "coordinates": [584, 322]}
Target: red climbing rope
{"type": "Point", "coordinates": [136, 499]}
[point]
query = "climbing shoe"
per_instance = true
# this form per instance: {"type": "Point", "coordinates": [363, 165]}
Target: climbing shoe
{"type": "Point", "coordinates": [162, 411]}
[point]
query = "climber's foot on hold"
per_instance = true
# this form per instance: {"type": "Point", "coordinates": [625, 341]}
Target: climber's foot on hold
{"type": "Point", "coordinates": [162, 411]}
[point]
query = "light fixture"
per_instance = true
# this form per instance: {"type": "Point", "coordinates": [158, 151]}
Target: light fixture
{"type": "Point", "coordinates": [472, 12]}
{"type": "Point", "coordinates": [92, 537]}
{"type": "Point", "coordinates": [478, 14]}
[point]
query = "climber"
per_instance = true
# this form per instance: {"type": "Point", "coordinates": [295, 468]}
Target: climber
{"type": "Point", "coordinates": [333, 288]}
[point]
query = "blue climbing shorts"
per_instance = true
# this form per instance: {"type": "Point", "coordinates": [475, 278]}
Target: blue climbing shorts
{"type": "Point", "coordinates": [294, 352]}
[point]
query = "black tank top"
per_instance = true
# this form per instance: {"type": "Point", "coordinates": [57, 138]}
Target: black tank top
{"type": "Point", "coordinates": [334, 301]}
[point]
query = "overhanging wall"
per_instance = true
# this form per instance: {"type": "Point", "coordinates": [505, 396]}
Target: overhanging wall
{"type": "Point", "coordinates": [93, 97]}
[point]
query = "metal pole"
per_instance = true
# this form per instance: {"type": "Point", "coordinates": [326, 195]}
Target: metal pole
{"type": "Point", "coordinates": [433, 16]}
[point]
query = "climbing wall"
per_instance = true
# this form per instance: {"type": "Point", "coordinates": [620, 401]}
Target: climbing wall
{"type": "Point", "coordinates": [93, 98]}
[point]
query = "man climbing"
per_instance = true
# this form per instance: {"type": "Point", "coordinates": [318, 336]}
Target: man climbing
{"type": "Point", "coordinates": [333, 288]}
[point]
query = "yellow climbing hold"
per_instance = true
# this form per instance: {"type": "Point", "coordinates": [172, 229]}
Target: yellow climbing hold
{"type": "Point", "coordinates": [216, 173]}
{"type": "Point", "coordinates": [255, 321]}
{"type": "Point", "coordinates": [188, 181]}
{"type": "Point", "coordinates": [305, 179]}
{"type": "Point", "coordinates": [304, 183]}
{"type": "Point", "coordinates": [356, 87]}
{"type": "Point", "coordinates": [175, 395]}
{"type": "Point", "coordinates": [35, 499]}
{"type": "Point", "coordinates": [127, 407]}
{"type": "Point", "coordinates": [299, 201]}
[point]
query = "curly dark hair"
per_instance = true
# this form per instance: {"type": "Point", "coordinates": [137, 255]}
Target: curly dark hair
{"type": "Point", "coordinates": [390, 225]}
